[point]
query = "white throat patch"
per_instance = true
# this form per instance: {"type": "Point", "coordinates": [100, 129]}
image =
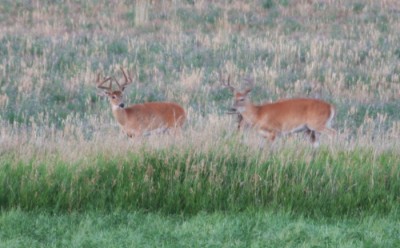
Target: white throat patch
{"type": "Point", "coordinates": [115, 107]}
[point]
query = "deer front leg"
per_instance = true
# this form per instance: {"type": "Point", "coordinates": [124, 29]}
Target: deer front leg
{"type": "Point", "coordinates": [267, 134]}
{"type": "Point", "coordinates": [240, 121]}
{"type": "Point", "coordinates": [130, 133]}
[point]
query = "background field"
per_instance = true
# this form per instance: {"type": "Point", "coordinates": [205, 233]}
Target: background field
{"type": "Point", "coordinates": [62, 154]}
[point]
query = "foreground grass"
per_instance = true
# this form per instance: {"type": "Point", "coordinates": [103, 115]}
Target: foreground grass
{"type": "Point", "coordinates": [340, 183]}
{"type": "Point", "coordinates": [245, 229]}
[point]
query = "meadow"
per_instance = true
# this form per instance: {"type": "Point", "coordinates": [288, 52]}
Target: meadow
{"type": "Point", "coordinates": [70, 178]}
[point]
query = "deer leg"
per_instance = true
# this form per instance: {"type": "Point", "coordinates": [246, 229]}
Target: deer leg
{"type": "Point", "coordinates": [267, 134]}
{"type": "Point", "coordinates": [240, 122]}
{"type": "Point", "coordinates": [314, 137]}
{"type": "Point", "coordinates": [319, 128]}
{"type": "Point", "coordinates": [329, 131]}
{"type": "Point", "coordinates": [133, 133]}
{"type": "Point", "coordinates": [311, 134]}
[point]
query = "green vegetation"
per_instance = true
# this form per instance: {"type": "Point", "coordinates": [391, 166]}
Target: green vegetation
{"type": "Point", "coordinates": [69, 178]}
{"type": "Point", "coordinates": [188, 182]}
{"type": "Point", "coordinates": [244, 229]}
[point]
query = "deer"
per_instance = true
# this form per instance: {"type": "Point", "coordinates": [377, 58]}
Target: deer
{"type": "Point", "coordinates": [285, 116]}
{"type": "Point", "coordinates": [144, 118]}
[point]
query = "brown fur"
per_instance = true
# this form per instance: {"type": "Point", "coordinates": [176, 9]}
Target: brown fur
{"type": "Point", "coordinates": [311, 116]}
{"type": "Point", "coordinates": [137, 119]}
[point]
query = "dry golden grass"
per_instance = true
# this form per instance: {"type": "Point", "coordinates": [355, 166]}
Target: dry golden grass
{"type": "Point", "coordinates": [344, 52]}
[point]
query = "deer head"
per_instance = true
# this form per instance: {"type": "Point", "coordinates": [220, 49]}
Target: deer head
{"type": "Point", "coordinates": [240, 97]}
{"type": "Point", "coordinates": [114, 96]}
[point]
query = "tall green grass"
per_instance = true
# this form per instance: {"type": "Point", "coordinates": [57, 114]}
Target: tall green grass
{"type": "Point", "coordinates": [315, 183]}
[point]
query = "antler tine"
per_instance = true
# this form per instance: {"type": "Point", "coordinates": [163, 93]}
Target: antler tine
{"type": "Point", "coordinates": [128, 79]}
{"type": "Point", "coordinates": [100, 84]}
{"type": "Point", "coordinates": [250, 83]}
{"type": "Point", "coordinates": [116, 81]}
{"type": "Point", "coordinates": [228, 84]}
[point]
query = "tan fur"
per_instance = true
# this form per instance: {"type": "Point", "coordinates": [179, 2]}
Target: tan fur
{"type": "Point", "coordinates": [137, 119]}
{"type": "Point", "coordinates": [311, 116]}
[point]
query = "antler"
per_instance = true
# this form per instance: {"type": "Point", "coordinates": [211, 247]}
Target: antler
{"type": "Point", "coordinates": [100, 84]}
{"type": "Point", "coordinates": [227, 85]}
{"type": "Point", "coordinates": [128, 80]}
{"type": "Point", "coordinates": [250, 84]}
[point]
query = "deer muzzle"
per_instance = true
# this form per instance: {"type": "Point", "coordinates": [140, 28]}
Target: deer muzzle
{"type": "Point", "coordinates": [232, 111]}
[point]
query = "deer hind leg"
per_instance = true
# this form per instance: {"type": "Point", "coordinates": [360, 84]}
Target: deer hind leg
{"type": "Point", "coordinates": [330, 131]}
{"type": "Point", "coordinates": [314, 131]}
{"type": "Point", "coordinates": [174, 131]}
{"type": "Point", "coordinates": [324, 128]}
{"type": "Point", "coordinates": [314, 137]}
{"type": "Point", "coordinates": [310, 134]}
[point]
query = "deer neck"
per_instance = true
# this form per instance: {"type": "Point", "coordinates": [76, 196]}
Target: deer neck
{"type": "Point", "coordinates": [119, 114]}
{"type": "Point", "coordinates": [250, 113]}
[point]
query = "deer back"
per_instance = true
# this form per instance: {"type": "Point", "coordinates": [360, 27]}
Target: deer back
{"type": "Point", "coordinates": [153, 115]}
{"type": "Point", "coordinates": [290, 114]}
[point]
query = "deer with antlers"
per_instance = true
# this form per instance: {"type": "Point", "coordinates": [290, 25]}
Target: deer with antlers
{"type": "Point", "coordinates": [285, 116]}
{"type": "Point", "coordinates": [138, 119]}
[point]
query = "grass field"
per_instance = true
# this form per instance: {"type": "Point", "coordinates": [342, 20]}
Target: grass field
{"type": "Point", "coordinates": [70, 178]}
{"type": "Point", "coordinates": [244, 229]}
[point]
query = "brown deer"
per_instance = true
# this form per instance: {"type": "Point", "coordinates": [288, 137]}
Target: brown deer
{"type": "Point", "coordinates": [285, 116]}
{"type": "Point", "coordinates": [139, 119]}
